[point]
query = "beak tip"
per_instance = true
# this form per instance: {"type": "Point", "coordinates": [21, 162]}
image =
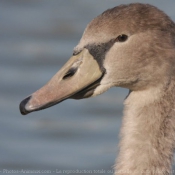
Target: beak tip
{"type": "Point", "coordinates": [22, 106]}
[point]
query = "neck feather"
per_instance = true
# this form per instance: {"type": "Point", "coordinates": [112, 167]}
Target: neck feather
{"type": "Point", "coordinates": [148, 132]}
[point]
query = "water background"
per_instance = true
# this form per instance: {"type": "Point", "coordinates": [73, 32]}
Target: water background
{"type": "Point", "coordinates": [36, 38]}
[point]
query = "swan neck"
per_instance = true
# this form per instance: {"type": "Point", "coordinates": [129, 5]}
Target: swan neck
{"type": "Point", "coordinates": [148, 132]}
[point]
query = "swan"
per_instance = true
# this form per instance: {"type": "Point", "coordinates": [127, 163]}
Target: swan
{"type": "Point", "coordinates": [130, 46]}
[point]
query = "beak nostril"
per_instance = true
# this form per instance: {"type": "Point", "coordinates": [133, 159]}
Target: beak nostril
{"type": "Point", "coordinates": [70, 72]}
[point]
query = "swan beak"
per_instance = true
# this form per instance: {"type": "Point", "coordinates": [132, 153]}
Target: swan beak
{"type": "Point", "coordinates": [76, 79]}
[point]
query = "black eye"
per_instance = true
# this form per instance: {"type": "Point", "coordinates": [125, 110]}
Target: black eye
{"type": "Point", "coordinates": [121, 38]}
{"type": "Point", "coordinates": [70, 73]}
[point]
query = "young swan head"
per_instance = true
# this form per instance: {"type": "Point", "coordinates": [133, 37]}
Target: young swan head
{"type": "Point", "coordinates": [131, 46]}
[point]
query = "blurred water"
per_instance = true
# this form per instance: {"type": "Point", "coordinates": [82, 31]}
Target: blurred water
{"type": "Point", "coordinates": [36, 39]}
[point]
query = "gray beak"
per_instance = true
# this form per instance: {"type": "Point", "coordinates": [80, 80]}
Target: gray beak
{"type": "Point", "coordinates": [77, 79]}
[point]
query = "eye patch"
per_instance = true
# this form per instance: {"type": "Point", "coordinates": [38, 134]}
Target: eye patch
{"type": "Point", "coordinates": [98, 51]}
